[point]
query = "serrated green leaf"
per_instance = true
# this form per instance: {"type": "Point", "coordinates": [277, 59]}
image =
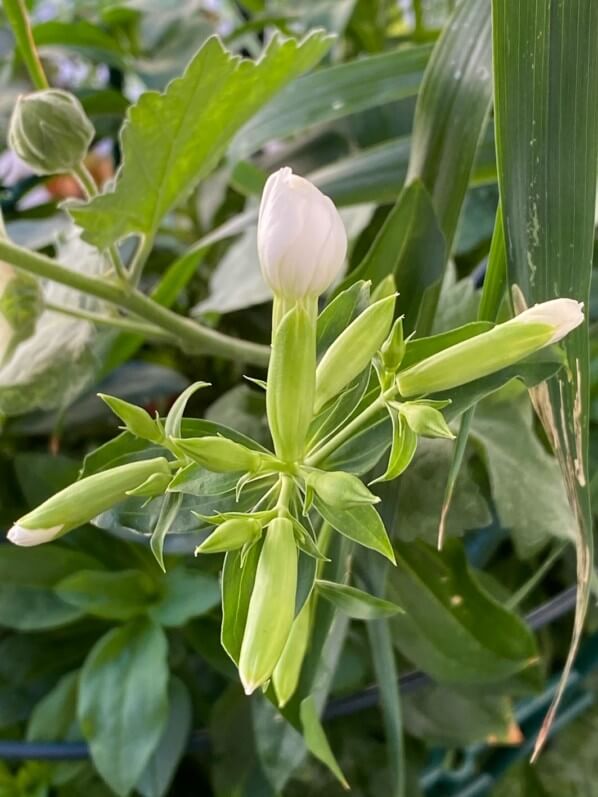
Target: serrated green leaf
{"type": "Point", "coordinates": [172, 140]}
{"type": "Point", "coordinates": [355, 602]}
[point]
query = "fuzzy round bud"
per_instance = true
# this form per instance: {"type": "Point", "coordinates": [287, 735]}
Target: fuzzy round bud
{"type": "Point", "coordinates": [50, 131]}
{"type": "Point", "coordinates": [301, 238]}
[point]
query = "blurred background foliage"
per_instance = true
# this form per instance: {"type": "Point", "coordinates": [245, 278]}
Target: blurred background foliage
{"type": "Point", "coordinates": [348, 126]}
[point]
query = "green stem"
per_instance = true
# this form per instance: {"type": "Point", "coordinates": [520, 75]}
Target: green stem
{"type": "Point", "coordinates": [321, 453]}
{"type": "Point", "coordinates": [127, 324]}
{"type": "Point", "coordinates": [285, 495]}
{"type": "Point", "coordinates": [191, 336]}
{"type": "Point", "coordinates": [144, 247]}
{"type": "Point", "coordinates": [16, 13]}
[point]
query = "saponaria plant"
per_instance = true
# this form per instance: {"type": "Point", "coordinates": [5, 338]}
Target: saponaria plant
{"type": "Point", "coordinates": [332, 376]}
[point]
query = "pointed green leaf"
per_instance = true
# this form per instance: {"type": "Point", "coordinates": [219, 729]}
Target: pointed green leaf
{"type": "Point", "coordinates": [237, 585]}
{"type": "Point", "coordinates": [172, 427]}
{"type": "Point", "coordinates": [316, 740]}
{"type": "Point", "coordinates": [355, 602]}
{"type": "Point", "coordinates": [361, 524]}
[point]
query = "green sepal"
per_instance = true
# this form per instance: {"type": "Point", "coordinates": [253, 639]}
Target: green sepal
{"type": "Point", "coordinates": [136, 419]}
{"type": "Point", "coordinates": [172, 427]}
{"type": "Point", "coordinates": [404, 444]}
{"type": "Point", "coordinates": [338, 488]}
{"type": "Point", "coordinates": [393, 349]}
{"type": "Point", "coordinates": [305, 542]}
{"type": "Point", "coordinates": [154, 485]}
{"type": "Point", "coordinates": [425, 420]}
{"type": "Point", "coordinates": [230, 535]}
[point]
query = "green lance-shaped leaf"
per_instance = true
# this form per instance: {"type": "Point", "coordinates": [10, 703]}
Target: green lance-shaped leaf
{"type": "Point", "coordinates": [291, 382]}
{"type": "Point", "coordinates": [172, 427]}
{"type": "Point", "coordinates": [237, 586]}
{"type": "Point", "coordinates": [136, 419]}
{"type": "Point", "coordinates": [218, 453]}
{"type": "Point", "coordinates": [172, 140]}
{"type": "Point", "coordinates": [285, 677]}
{"type": "Point", "coordinates": [491, 351]}
{"type": "Point", "coordinates": [339, 489]}
{"type": "Point", "coordinates": [230, 535]}
{"type": "Point", "coordinates": [353, 350]}
{"type": "Point", "coordinates": [82, 501]}
{"type": "Point", "coordinates": [355, 602]}
{"type": "Point", "coordinates": [316, 740]}
{"type": "Point", "coordinates": [361, 524]}
{"type": "Point", "coordinates": [404, 443]}
{"type": "Point", "coordinates": [272, 606]}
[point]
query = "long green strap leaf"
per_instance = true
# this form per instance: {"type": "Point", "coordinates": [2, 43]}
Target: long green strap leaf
{"type": "Point", "coordinates": [546, 111]}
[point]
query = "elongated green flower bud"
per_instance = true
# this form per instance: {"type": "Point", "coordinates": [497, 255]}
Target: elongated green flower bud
{"type": "Point", "coordinates": [82, 501]}
{"type": "Point", "coordinates": [218, 453]}
{"type": "Point", "coordinates": [352, 351]}
{"type": "Point", "coordinates": [230, 535]}
{"type": "Point", "coordinates": [491, 351]}
{"type": "Point", "coordinates": [271, 606]}
{"type": "Point", "coordinates": [339, 489]}
{"type": "Point", "coordinates": [393, 349]}
{"type": "Point", "coordinates": [50, 131]}
{"type": "Point", "coordinates": [291, 381]}
{"type": "Point", "coordinates": [285, 677]}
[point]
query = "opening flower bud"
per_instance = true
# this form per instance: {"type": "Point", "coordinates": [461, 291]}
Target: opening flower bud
{"type": "Point", "coordinates": [491, 351]}
{"type": "Point", "coordinates": [301, 238]}
{"type": "Point", "coordinates": [339, 489]}
{"type": "Point", "coordinates": [21, 304]}
{"type": "Point", "coordinates": [218, 454]}
{"type": "Point", "coordinates": [271, 606]}
{"type": "Point", "coordinates": [50, 131]}
{"type": "Point", "coordinates": [230, 535]}
{"type": "Point", "coordinates": [82, 501]}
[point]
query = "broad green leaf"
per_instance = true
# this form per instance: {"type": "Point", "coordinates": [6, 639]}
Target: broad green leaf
{"type": "Point", "coordinates": [41, 474]}
{"type": "Point", "coordinates": [316, 740]}
{"type": "Point", "coordinates": [237, 586]}
{"type": "Point", "coordinates": [419, 494]}
{"type": "Point", "coordinates": [81, 36]}
{"type": "Point", "coordinates": [355, 602]}
{"type": "Point", "coordinates": [454, 717]}
{"type": "Point", "coordinates": [546, 118]}
{"type": "Point", "coordinates": [171, 140]}
{"type": "Point", "coordinates": [411, 247]}
{"type": "Point", "coordinates": [364, 450]}
{"type": "Point", "coordinates": [57, 363]}
{"type": "Point", "coordinates": [334, 92]}
{"type": "Point", "coordinates": [361, 524]}
{"type": "Point", "coordinates": [119, 595]}
{"type": "Point", "coordinates": [452, 628]}
{"type": "Point", "coordinates": [452, 110]}
{"type": "Point", "coordinates": [123, 701]}
{"type": "Point", "coordinates": [518, 467]}
{"type": "Point", "coordinates": [161, 768]}
{"type": "Point", "coordinates": [28, 601]}
{"type": "Point", "coordinates": [55, 716]}
{"type": "Point", "coordinates": [186, 593]}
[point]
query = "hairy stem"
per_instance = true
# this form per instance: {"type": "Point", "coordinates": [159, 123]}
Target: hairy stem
{"type": "Point", "coordinates": [191, 336]}
{"type": "Point", "coordinates": [117, 322]}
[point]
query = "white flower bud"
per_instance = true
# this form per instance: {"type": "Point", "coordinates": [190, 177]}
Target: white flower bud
{"type": "Point", "coordinates": [301, 238]}
{"type": "Point", "coordinates": [19, 535]}
{"type": "Point", "coordinates": [563, 315]}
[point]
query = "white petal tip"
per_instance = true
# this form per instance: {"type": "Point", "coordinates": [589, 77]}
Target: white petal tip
{"type": "Point", "coordinates": [19, 535]}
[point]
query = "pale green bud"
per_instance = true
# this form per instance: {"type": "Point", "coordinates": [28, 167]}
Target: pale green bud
{"type": "Point", "coordinates": [353, 350]}
{"type": "Point", "coordinates": [21, 304]}
{"type": "Point", "coordinates": [425, 421]}
{"type": "Point", "coordinates": [230, 535]}
{"type": "Point", "coordinates": [291, 381]}
{"type": "Point", "coordinates": [82, 501]}
{"type": "Point", "coordinates": [271, 606]}
{"type": "Point", "coordinates": [285, 677]}
{"type": "Point", "coordinates": [393, 349]}
{"type": "Point", "coordinates": [491, 351]}
{"type": "Point", "coordinates": [50, 131]}
{"type": "Point", "coordinates": [218, 454]}
{"type": "Point", "coordinates": [339, 489]}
